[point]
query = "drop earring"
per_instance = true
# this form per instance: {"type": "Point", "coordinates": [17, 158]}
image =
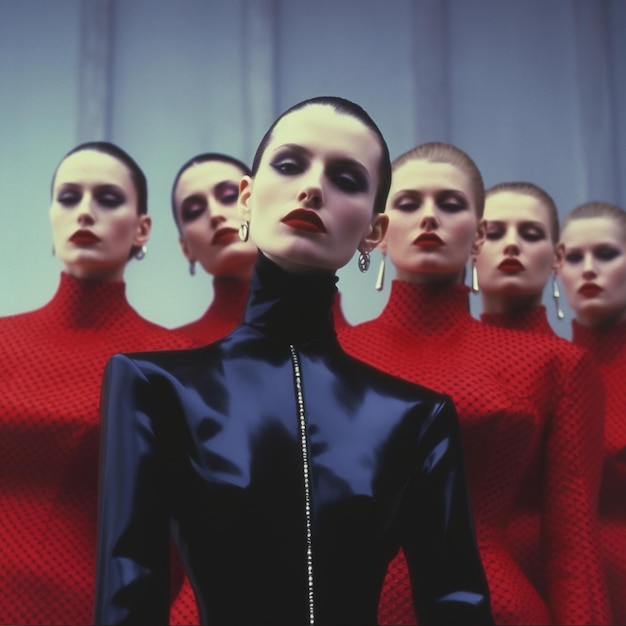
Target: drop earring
{"type": "Point", "coordinates": [364, 261]}
{"type": "Point", "coordinates": [141, 253]}
{"type": "Point", "coordinates": [54, 252]}
{"type": "Point", "coordinates": [244, 230]}
{"type": "Point", "coordinates": [475, 287]}
{"type": "Point", "coordinates": [192, 268]}
{"type": "Point", "coordinates": [380, 279]}
{"type": "Point", "coordinates": [556, 294]}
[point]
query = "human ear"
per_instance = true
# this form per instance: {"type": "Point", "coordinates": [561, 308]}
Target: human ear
{"type": "Point", "coordinates": [185, 248]}
{"type": "Point", "coordinates": [376, 234]}
{"type": "Point", "coordinates": [559, 258]}
{"type": "Point", "coordinates": [142, 234]}
{"type": "Point", "coordinates": [245, 193]}
{"type": "Point", "coordinates": [479, 239]}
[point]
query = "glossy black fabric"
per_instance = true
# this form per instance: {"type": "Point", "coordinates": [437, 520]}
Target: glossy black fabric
{"type": "Point", "coordinates": [208, 440]}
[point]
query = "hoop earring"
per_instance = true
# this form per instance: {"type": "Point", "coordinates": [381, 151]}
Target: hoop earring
{"type": "Point", "coordinates": [244, 230]}
{"type": "Point", "coordinates": [556, 294]}
{"type": "Point", "coordinates": [380, 279]}
{"type": "Point", "coordinates": [141, 253]}
{"type": "Point", "coordinates": [475, 287]}
{"type": "Point", "coordinates": [364, 261]}
{"type": "Point", "coordinates": [192, 268]}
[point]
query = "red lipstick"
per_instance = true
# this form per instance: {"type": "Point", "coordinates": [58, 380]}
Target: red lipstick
{"type": "Point", "coordinates": [590, 290]}
{"type": "Point", "coordinates": [84, 238]}
{"type": "Point", "coordinates": [302, 219]}
{"type": "Point", "coordinates": [428, 240]}
{"type": "Point", "coordinates": [224, 236]}
{"type": "Point", "coordinates": [511, 266]}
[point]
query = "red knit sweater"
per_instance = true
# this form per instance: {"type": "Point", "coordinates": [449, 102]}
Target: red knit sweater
{"type": "Point", "coordinates": [609, 347]}
{"type": "Point", "coordinates": [518, 399]}
{"type": "Point", "coordinates": [524, 532]}
{"type": "Point", "coordinates": [51, 363]}
{"type": "Point", "coordinates": [224, 313]}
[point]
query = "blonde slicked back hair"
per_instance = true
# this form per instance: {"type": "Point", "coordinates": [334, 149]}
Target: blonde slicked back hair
{"type": "Point", "coordinates": [439, 152]}
{"type": "Point", "coordinates": [590, 210]}
{"type": "Point", "coordinates": [523, 188]}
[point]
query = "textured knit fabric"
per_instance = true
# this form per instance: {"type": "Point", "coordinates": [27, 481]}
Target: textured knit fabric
{"type": "Point", "coordinates": [519, 399]}
{"type": "Point", "coordinates": [609, 347]}
{"type": "Point", "coordinates": [524, 531]}
{"type": "Point", "coordinates": [51, 365]}
{"type": "Point", "coordinates": [224, 313]}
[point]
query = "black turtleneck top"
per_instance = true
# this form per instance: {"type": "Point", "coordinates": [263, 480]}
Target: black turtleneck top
{"type": "Point", "coordinates": [288, 472]}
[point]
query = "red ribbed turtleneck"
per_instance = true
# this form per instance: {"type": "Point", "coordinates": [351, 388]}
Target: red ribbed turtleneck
{"type": "Point", "coordinates": [224, 313]}
{"type": "Point", "coordinates": [51, 363]}
{"type": "Point", "coordinates": [533, 320]}
{"type": "Point", "coordinates": [608, 345]}
{"type": "Point", "coordinates": [519, 399]}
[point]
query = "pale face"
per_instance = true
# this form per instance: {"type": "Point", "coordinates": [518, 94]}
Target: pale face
{"type": "Point", "coordinates": [594, 270]}
{"type": "Point", "coordinates": [94, 216]}
{"type": "Point", "coordinates": [518, 255]}
{"type": "Point", "coordinates": [206, 210]}
{"type": "Point", "coordinates": [310, 204]}
{"type": "Point", "coordinates": [433, 225]}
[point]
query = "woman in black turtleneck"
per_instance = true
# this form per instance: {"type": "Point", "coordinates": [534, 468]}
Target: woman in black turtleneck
{"type": "Point", "coordinates": [289, 473]}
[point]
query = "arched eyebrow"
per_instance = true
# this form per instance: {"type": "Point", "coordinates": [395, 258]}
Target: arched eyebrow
{"type": "Point", "coordinates": [340, 160]}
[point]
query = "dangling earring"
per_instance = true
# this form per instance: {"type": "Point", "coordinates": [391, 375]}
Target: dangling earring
{"type": "Point", "coordinates": [475, 288]}
{"type": "Point", "coordinates": [54, 252]}
{"type": "Point", "coordinates": [556, 294]}
{"type": "Point", "coordinates": [244, 230]}
{"type": "Point", "coordinates": [141, 253]}
{"type": "Point", "coordinates": [380, 279]}
{"type": "Point", "coordinates": [364, 260]}
{"type": "Point", "coordinates": [192, 268]}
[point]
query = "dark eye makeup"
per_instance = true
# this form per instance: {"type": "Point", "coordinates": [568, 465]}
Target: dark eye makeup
{"type": "Point", "coordinates": [192, 207]}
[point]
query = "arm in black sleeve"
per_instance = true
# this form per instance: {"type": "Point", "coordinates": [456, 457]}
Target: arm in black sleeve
{"type": "Point", "coordinates": [447, 576]}
{"type": "Point", "coordinates": [132, 576]}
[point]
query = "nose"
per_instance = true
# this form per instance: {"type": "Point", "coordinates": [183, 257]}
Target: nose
{"type": "Point", "coordinates": [429, 219]}
{"type": "Point", "coordinates": [311, 195]}
{"type": "Point", "coordinates": [86, 215]}
{"type": "Point", "coordinates": [511, 242]}
{"type": "Point", "coordinates": [589, 271]}
{"type": "Point", "coordinates": [216, 220]}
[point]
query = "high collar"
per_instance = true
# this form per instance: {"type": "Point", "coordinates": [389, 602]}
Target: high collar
{"type": "Point", "coordinates": [87, 304]}
{"type": "Point", "coordinates": [606, 344]}
{"type": "Point", "coordinates": [296, 308]}
{"type": "Point", "coordinates": [533, 320]}
{"type": "Point", "coordinates": [427, 310]}
{"type": "Point", "coordinates": [229, 298]}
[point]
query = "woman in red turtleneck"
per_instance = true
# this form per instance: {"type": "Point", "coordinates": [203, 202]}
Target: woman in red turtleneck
{"type": "Point", "coordinates": [204, 205]}
{"type": "Point", "coordinates": [516, 398]}
{"type": "Point", "coordinates": [593, 247]}
{"type": "Point", "coordinates": [51, 364]}
{"type": "Point", "coordinates": [515, 263]}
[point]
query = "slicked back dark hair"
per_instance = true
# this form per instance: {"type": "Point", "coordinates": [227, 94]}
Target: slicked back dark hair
{"type": "Point", "coordinates": [345, 107]}
{"type": "Point", "coordinates": [136, 173]}
{"type": "Point", "coordinates": [205, 157]}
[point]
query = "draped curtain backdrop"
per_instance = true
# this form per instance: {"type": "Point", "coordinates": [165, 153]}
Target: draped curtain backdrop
{"type": "Point", "coordinates": [532, 90]}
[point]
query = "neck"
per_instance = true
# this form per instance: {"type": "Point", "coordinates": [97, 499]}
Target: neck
{"type": "Point", "coordinates": [291, 307]}
{"type": "Point", "coordinates": [602, 322]}
{"type": "Point", "coordinates": [513, 304]}
{"type": "Point", "coordinates": [431, 279]}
